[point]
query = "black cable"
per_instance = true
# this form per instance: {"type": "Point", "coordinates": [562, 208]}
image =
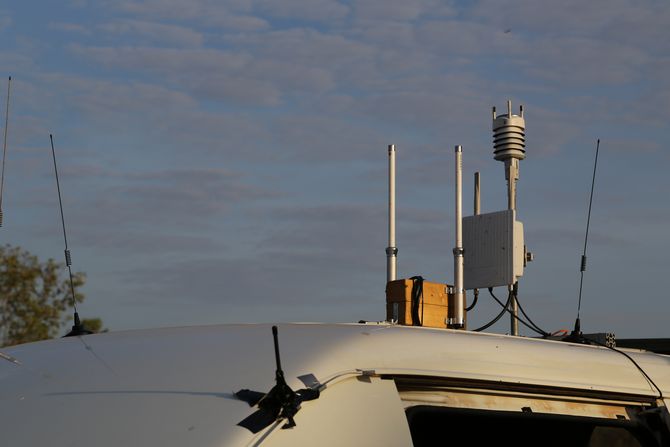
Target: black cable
{"type": "Point", "coordinates": [495, 320]}
{"type": "Point", "coordinates": [539, 329]}
{"type": "Point", "coordinates": [417, 298]}
{"type": "Point", "coordinates": [506, 308]}
{"type": "Point", "coordinates": [474, 301]}
{"type": "Point", "coordinates": [644, 373]}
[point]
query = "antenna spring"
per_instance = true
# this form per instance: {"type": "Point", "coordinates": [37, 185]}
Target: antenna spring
{"type": "Point", "coordinates": [68, 258]}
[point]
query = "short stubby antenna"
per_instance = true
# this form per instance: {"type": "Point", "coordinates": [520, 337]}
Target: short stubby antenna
{"type": "Point", "coordinates": [281, 402]}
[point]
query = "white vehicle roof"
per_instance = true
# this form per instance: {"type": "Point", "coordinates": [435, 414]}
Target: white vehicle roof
{"type": "Point", "coordinates": [175, 386]}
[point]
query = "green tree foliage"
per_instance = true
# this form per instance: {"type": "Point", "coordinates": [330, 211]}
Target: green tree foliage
{"type": "Point", "coordinates": [93, 324]}
{"type": "Point", "coordinates": [34, 296]}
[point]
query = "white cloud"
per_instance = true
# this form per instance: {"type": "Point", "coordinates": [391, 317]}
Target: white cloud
{"type": "Point", "coordinates": [237, 76]}
{"type": "Point", "coordinates": [585, 61]}
{"type": "Point", "coordinates": [307, 47]}
{"type": "Point", "coordinates": [165, 60]}
{"type": "Point", "coordinates": [226, 22]}
{"type": "Point", "coordinates": [5, 20]}
{"type": "Point", "coordinates": [171, 9]}
{"type": "Point", "coordinates": [229, 16]}
{"type": "Point", "coordinates": [620, 21]}
{"type": "Point", "coordinates": [303, 9]}
{"type": "Point", "coordinates": [155, 32]}
{"type": "Point", "coordinates": [206, 73]}
{"type": "Point", "coordinates": [69, 27]}
{"type": "Point", "coordinates": [401, 10]}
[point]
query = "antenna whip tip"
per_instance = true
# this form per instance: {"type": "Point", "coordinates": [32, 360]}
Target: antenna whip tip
{"type": "Point", "coordinates": [10, 78]}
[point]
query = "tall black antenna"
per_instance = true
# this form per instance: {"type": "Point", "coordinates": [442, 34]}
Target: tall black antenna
{"type": "Point", "coordinates": [4, 148]}
{"type": "Point", "coordinates": [77, 328]}
{"type": "Point", "coordinates": [577, 331]}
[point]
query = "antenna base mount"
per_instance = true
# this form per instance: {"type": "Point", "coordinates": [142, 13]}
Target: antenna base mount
{"type": "Point", "coordinates": [78, 329]}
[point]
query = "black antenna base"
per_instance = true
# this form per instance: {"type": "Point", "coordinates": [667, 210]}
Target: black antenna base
{"type": "Point", "coordinates": [576, 335]}
{"type": "Point", "coordinates": [78, 329]}
{"type": "Point", "coordinates": [281, 402]}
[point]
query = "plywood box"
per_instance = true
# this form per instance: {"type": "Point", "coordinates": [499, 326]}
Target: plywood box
{"type": "Point", "coordinates": [432, 303]}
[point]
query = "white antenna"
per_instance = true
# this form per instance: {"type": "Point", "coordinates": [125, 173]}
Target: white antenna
{"type": "Point", "coordinates": [391, 250]}
{"type": "Point", "coordinates": [456, 318]}
{"type": "Point", "coordinates": [509, 146]}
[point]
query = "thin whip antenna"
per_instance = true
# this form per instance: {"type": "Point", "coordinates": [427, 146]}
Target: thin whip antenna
{"type": "Point", "coordinates": [588, 224]}
{"type": "Point", "coordinates": [77, 328]}
{"type": "Point", "coordinates": [4, 148]}
{"type": "Point", "coordinates": [576, 334]}
{"type": "Point", "coordinates": [68, 256]}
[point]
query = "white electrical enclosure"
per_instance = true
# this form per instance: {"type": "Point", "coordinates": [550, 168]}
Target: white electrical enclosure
{"type": "Point", "coordinates": [494, 249]}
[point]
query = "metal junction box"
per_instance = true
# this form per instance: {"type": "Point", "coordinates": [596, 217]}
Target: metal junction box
{"type": "Point", "coordinates": [493, 250]}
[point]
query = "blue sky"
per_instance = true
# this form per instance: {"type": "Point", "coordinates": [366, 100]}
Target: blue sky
{"type": "Point", "coordinates": [225, 161]}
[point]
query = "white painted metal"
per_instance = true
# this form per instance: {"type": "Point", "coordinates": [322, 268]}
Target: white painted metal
{"type": "Point", "coordinates": [352, 413]}
{"type": "Point", "coordinates": [456, 311]}
{"type": "Point", "coordinates": [512, 176]}
{"type": "Point", "coordinates": [509, 146]}
{"type": "Point", "coordinates": [173, 387]}
{"type": "Point", "coordinates": [391, 249]}
{"type": "Point", "coordinates": [494, 245]}
{"type": "Point", "coordinates": [509, 138]}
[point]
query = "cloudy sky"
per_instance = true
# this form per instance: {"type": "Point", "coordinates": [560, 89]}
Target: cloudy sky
{"type": "Point", "coordinates": [225, 161]}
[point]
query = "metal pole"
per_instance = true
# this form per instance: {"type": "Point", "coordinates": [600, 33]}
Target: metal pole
{"type": "Point", "coordinates": [457, 311]}
{"type": "Point", "coordinates": [391, 250]}
{"type": "Point", "coordinates": [514, 308]}
{"type": "Point", "coordinates": [512, 174]}
{"type": "Point", "coordinates": [478, 202]}
{"type": "Point", "coordinates": [476, 212]}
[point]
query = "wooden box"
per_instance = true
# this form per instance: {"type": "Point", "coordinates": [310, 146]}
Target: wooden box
{"type": "Point", "coordinates": [432, 304]}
